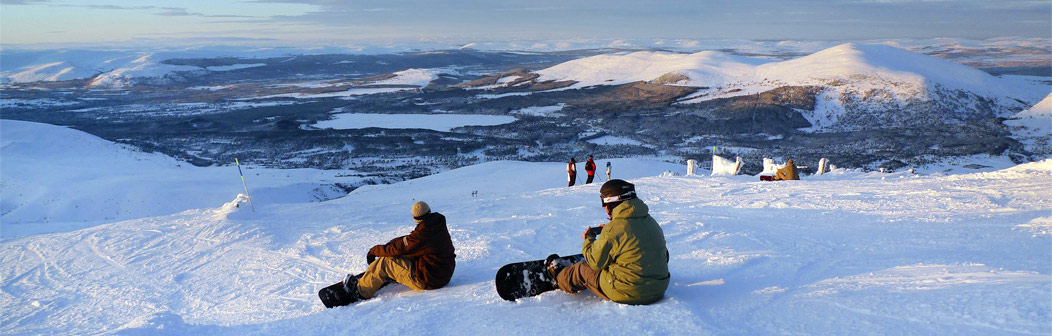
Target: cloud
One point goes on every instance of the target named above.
(22, 2)
(174, 12)
(168, 11)
(488, 20)
(112, 7)
(165, 11)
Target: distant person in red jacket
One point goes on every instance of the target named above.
(571, 171)
(589, 167)
(424, 259)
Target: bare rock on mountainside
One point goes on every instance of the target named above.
(492, 80)
(671, 78)
(633, 95)
(516, 80)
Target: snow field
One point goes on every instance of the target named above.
(54, 179)
(438, 122)
(846, 252)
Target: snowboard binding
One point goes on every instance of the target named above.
(553, 265)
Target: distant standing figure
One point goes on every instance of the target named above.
(608, 170)
(571, 171)
(589, 167)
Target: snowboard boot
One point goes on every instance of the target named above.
(350, 285)
(553, 265)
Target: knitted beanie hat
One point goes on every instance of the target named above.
(420, 209)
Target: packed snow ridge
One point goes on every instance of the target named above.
(844, 252)
(52, 178)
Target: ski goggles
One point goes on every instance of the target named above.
(617, 198)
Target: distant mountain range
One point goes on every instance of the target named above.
(858, 85)
(890, 105)
(115, 66)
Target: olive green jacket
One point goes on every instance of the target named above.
(631, 255)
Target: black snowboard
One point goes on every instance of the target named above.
(526, 279)
(336, 295)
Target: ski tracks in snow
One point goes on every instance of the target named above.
(872, 253)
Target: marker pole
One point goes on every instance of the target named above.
(244, 185)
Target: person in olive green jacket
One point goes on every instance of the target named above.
(625, 260)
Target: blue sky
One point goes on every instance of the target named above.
(299, 22)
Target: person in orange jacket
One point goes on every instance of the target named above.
(589, 167)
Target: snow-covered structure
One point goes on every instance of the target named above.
(770, 168)
(821, 167)
(692, 167)
(725, 167)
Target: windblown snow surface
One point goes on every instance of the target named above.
(846, 252)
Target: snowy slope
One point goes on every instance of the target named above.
(55, 177)
(706, 68)
(891, 64)
(414, 77)
(1038, 117)
(145, 66)
(1033, 126)
(845, 253)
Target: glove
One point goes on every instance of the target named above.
(369, 258)
(591, 232)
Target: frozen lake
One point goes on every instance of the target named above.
(438, 122)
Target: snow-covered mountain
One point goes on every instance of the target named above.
(845, 252)
(859, 83)
(28, 63)
(115, 68)
(1034, 126)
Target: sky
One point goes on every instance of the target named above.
(307, 22)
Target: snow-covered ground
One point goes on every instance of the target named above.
(541, 111)
(845, 252)
(54, 178)
(347, 94)
(614, 140)
(438, 122)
